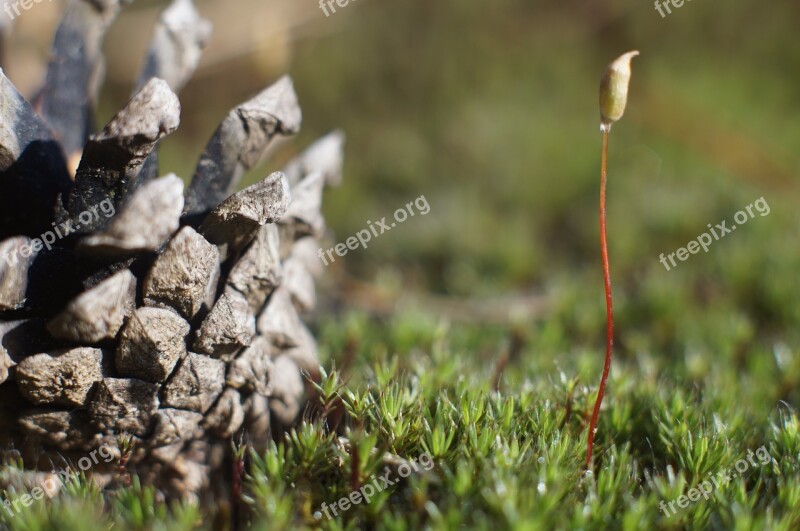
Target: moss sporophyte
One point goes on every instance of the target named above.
(613, 98)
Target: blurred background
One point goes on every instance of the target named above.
(489, 110)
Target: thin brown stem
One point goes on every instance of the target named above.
(609, 308)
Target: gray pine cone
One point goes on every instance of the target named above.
(137, 312)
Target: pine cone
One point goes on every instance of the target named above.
(130, 311)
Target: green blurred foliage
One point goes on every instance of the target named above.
(491, 112)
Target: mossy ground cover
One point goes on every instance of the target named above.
(508, 439)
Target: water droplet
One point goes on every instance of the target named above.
(501, 489)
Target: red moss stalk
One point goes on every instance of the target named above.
(613, 99)
(609, 306)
